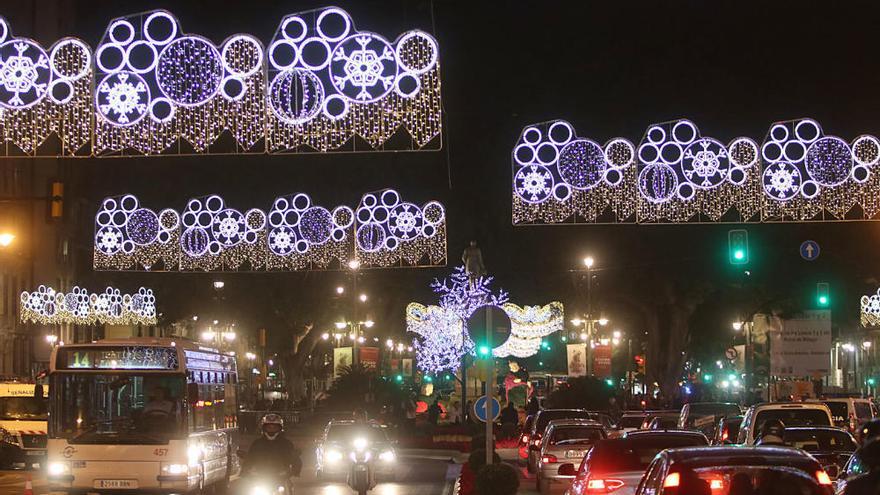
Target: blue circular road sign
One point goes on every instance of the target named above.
(480, 409)
(809, 250)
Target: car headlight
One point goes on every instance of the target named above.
(333, 456)
(58, 468)
(387, 456)
(260, 490)
(175, 469)
(360, 443)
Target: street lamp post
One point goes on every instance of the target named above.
(588, 262)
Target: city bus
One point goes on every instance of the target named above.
(23, 416)
(141, 414)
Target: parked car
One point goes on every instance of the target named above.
(331, 452)
(832, 447)
(704, 416)
(617, 465)
(850, 412)
(542, 419)
(790, 413)
(734, 470)
(565, 441)
(727, 430)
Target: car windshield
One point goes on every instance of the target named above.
(546, 416)
(119, 408)
(568, 435)
(820, 440)
(839, 411)
(793, 417)
(24, 408)
(635, 453)
(739, 480)
(631, 421)
(347, 433)
(665, 422)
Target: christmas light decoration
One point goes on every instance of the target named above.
(390, 231)
(44, 93)
(45, 306)
(870, 314)
(442, 339)
(676, 175)
(295, 234)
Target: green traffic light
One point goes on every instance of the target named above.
(731, 377)
(448, 377)
(871, 382)
(739, 254)
(429, 379)
(823, 300)
(484, 350)
(564, 338)
(707, 378)
(609, 382)
(399, 378)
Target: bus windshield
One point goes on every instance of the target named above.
(23, 408)
(126, 408)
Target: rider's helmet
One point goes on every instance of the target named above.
(869, 429)
(271, 425)
(773, 427)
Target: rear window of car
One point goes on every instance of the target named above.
(546, 416)
(839, 411)
(820, 440)
(863, 411)
(566, 435)
(631, 421)
(793, 417)
(713, 409)
(724, 480)
(635, 453)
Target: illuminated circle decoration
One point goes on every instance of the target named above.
(110, 58)
(407, 85)
(61, 91)
(534, 183)
(161, 110)
(705, 163)
(46, 306)
(293, 28)
(370, 237)
(296, 95)
(228, 227)
(658, 183)
(71, 59)
(189, 71)
(363, 67)
(194, 241)
(781, 181)
(405, 221)
(307, 52)
(866, 150)
(283, 54)
(316, 225)
(122, 98)
(421, 42)
(743, 153)
(142, 227)
(325, 18)
(153, 33)
(582, 164)
(242, 55)
(134, 57)
(25, 74)
(829, 161)
(233, 88)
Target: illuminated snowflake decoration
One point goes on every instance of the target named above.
(364, 67)
(302, 233)
(122, 98)
(109, 240)
(782, 181)
(534, 183)
(46, 306)
(870, 310)
(228, 227)
(705, 163)
(24, 75)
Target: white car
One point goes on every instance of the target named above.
(850, 412)
(790, 413)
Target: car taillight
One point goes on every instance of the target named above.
(525, 439)
(716, 484)
(536, 442)
(725, 435)
(672, 480)
(603, 485)
(823, 478)
(548, 458)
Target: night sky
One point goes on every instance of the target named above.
(609, 68)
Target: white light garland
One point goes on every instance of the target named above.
(295, 234)
(45, 306)
(870, 314)
(676, 175)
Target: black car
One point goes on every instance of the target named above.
(832, 447)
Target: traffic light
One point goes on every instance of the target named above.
(707, 378)
(823, 295)
(738, 246)
(609, 382)
(640, 364)
(429, 379)
(483, 350)
(399, 378)
(872, 381)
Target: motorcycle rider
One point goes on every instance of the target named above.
(772, 433)
(272, 452)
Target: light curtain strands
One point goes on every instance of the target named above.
(870, 313)
(294, 234)
(45, 93)
(676, 175)
(442, 340)
(150, 88)
(46, 306)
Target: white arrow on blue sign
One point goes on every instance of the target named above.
(480, 409)
(809, 250)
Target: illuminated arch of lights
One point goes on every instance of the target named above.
(870, 313)
(293, 234)
(676, 175)
(441, 328)
(46, 306)
(151, 88)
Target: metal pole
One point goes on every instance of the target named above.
(355, 326)
(629, 369)
(490, 389)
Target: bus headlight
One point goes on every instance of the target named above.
(387, 456)
(193, 455)
(175, 469)
(333, 456)
(260, 490)
(58, 469)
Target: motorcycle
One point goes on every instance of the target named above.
(361, 477)
(268, 483)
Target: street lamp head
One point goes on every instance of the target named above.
(584, 336)
(195, 318)
(208, 335)
(354, 264)
(363, 297)
(369, 323)
(219, 284)
(325, 336)
(617, 334)
(51, 339)
(229, 336)
(577, 321)
(867, 344)
(588, 262)
(389, 343)
(361, 339)
(603, 321)
(340, 290)
(6, 239)
(341, 324)
(250, 355)
(848, 347)
(737, 325)
(216, 322)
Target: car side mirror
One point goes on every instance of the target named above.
(567, 470)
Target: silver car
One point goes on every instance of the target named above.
(565, 441)
(333, 449)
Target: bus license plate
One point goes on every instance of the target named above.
(116, 484)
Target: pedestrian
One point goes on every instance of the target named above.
(453, 412)
(466, 414)
(434, 412)
(614, 409)
(509, 421)
(533, 407)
